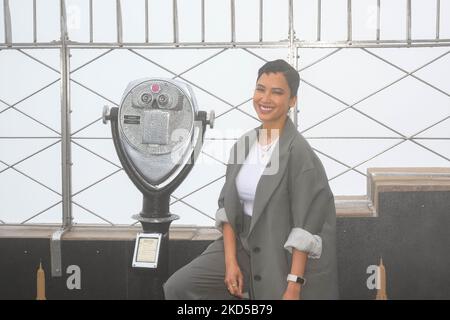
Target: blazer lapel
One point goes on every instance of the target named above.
(232, 203)
(270, 180)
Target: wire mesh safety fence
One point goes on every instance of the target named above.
(60, 65)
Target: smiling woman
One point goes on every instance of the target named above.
(279, 226)
(274, 95)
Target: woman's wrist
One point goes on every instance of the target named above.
(230, 262)
(293, 286)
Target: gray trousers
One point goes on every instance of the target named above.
(203, 278)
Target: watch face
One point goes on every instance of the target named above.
(294, 278)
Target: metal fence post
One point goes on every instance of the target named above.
(66, 149)
(66, 157)
(292, 58)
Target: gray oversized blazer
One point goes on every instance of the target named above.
(296, 197)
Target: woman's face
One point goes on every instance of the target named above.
(272, 98)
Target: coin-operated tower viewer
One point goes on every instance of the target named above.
(158, 133)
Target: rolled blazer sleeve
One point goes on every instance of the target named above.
(310, 198)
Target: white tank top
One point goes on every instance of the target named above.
(250, 173)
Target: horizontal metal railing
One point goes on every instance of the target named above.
(408, 41)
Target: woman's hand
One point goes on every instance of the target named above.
(292, 291)
(234, 279)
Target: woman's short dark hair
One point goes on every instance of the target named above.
(291, 75)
